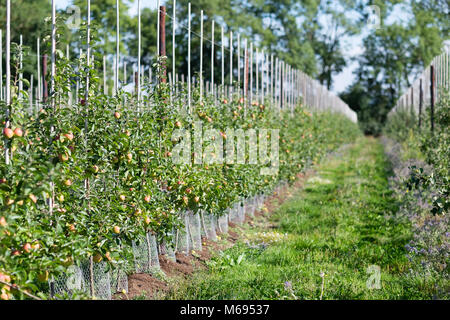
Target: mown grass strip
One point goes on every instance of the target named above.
(338, 228)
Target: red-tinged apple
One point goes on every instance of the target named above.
(185, 200)
(18, 132)
(117, 115)
(68, 182)
(27, 247)
(178, 124)
(197, 199)
(147, 199)
(122, 197)
(3, 222)
(116, 229)
(8, 133)
(69, 136)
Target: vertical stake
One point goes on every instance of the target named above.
(231, 65)
(245, 74)
(116, 66)
(139, 55)
(174, 22)
(432, 84)
(420, 102)
(223, 64)
(1, 64)
(162, 40)
(189, 57)
(212, 57)
(201, 56)
(44, 73)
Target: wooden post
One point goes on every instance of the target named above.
(420, 102)
(136, 83)
(44, 73)
(162, 40)
(281, 86)
(432, 84)
(1, 64)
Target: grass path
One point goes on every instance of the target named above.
(336, 227)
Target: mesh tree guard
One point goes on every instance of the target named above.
(153, 251)
(209, 224)
(119, 281)
(141, 255)
(167, 250)
(195, 230)
(240, 212)
(102, 281)
(68, 283)
(222, 223)
(183, 242)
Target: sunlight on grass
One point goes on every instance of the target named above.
(333, 229)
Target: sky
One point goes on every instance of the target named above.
(353, 46)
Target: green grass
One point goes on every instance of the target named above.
(339, 227)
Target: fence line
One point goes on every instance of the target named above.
(427, 89)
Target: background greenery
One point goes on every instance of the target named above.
(307, 34)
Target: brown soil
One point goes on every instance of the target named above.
(142, 284)
(185, 265)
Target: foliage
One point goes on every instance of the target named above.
(87, 179)
(434, 148)
(421, 183)
(393, 55)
